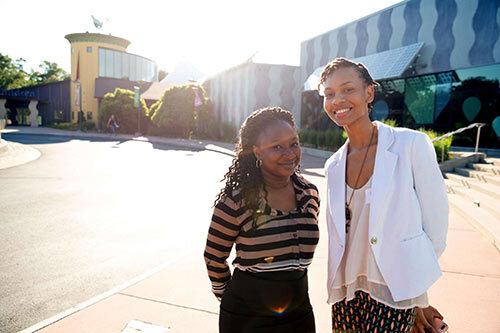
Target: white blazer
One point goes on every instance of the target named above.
(408, 218)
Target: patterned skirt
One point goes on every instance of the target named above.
(364, 314)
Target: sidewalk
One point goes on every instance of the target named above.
(177, 296)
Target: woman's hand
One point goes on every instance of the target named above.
(425, 318)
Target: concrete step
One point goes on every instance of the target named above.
(493, 160)
(472, 173)
(495, 180)
(487, 224)
(489, 189)
(489, 168)
(480, 200)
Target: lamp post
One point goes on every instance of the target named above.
(80, 102)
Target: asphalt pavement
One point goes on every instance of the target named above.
(176, 296)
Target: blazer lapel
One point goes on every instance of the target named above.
(336, 191)
(385, 163)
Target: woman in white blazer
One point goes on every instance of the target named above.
(387, 211)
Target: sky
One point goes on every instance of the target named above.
(212, 35)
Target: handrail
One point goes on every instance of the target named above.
(460, 130)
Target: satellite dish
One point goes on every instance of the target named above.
(98, 24)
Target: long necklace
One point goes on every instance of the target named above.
(348, 213)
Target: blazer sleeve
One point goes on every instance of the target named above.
(431, 191)
(224, 228)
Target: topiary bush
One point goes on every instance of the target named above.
(121, 104)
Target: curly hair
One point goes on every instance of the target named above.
(243, 174)
(337, 63)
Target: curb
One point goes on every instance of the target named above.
(3, 145)
(185, 143)
(98, 298)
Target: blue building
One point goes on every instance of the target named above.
(437, 62)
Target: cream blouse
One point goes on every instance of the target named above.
(358, 269)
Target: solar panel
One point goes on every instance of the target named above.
(390, 63)
(383, 65)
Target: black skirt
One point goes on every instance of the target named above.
(266, 302)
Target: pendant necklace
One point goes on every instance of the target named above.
(348, 213)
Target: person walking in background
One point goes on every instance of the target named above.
(271, 213)
(112, 124)
(387, 211)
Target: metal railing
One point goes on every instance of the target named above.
(460, 130)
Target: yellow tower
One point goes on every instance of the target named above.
(85, 69)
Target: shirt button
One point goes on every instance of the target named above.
(373, 240)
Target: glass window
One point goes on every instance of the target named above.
(125, 66)
(89, 115)
(109, 63)
(420, 94)
(132, 76)
(139, 69)
(117, 70)
(89, 49)
(102, 62)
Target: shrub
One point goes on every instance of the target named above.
(206, 126)
(175, 112)
(303, 136)
(313, 138)
(64, 126)
(228, 132)
(390, 122)
(438, 144)
(321, 139)
(89, 126)
(121, 104)
(334, 139)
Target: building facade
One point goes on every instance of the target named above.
(452, 81)
(240, 90)
(95, 56)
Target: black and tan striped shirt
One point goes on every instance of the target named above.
(275, 241)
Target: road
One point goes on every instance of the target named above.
(89, 215)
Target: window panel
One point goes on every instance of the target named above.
(102, 63)
(125, 66)
(117, 70)
(133, 66)
(109, 64)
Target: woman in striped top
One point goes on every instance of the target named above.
(271, 213)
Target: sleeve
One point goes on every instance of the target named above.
(222, 233)
(431, 191)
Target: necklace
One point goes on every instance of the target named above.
(348, 213)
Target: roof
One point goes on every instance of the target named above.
(184, 72)
(99, 38)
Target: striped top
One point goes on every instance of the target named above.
(275, 241)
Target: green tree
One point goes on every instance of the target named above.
(121, 104)
(12, 73)
(50, 72)
(175, 114)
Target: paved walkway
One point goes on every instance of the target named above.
(176, 296)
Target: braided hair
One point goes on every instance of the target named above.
(243, 173)
(337, 63)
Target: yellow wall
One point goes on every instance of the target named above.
(89, 70)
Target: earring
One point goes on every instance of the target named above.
(258, 163)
